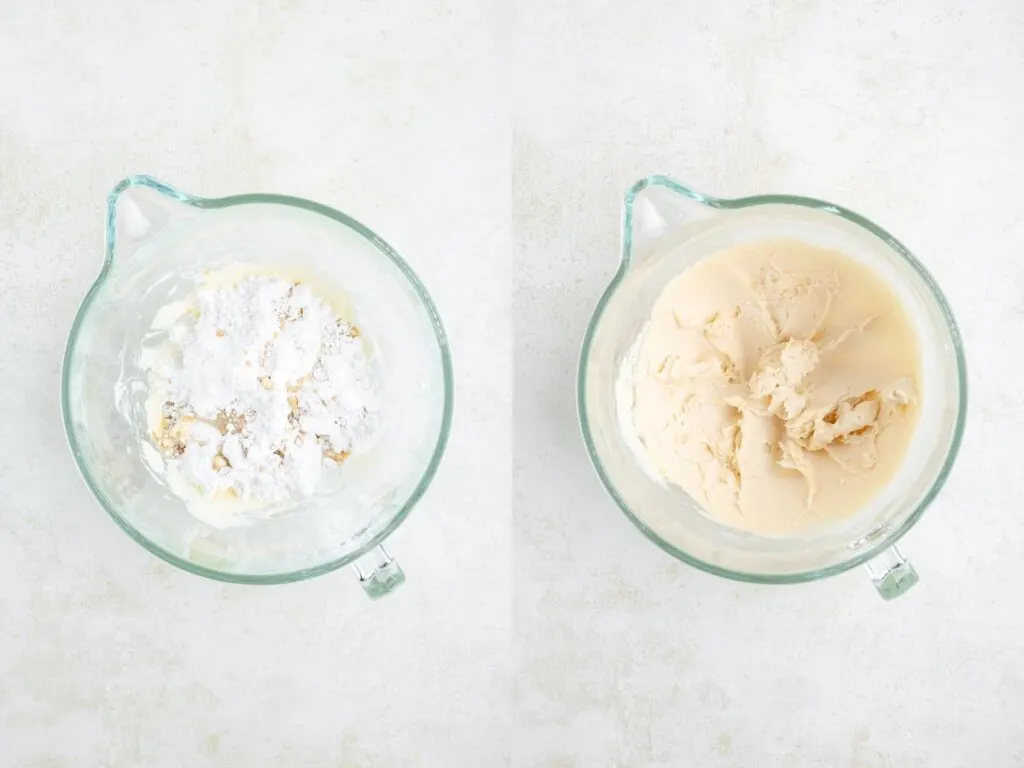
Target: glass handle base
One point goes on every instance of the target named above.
(891, 573)
(379, 573)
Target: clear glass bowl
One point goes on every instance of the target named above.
(157, 239)
(668, 227)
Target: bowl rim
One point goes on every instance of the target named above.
(725, 204)
(204, 203)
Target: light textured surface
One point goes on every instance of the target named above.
(908, 112)
(398, 113)
(108, 657)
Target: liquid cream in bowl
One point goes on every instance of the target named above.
(777, 383)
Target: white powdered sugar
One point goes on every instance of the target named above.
(260, 388)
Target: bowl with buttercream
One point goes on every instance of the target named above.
(772, 388)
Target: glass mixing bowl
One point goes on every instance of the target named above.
(158, 240)
(668, 227)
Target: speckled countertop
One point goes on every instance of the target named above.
(904, 113)
(108, 657)
(538, 627)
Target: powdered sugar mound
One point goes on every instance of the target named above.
(261, 386)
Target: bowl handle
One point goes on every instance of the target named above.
(379, 573)
(891, 573)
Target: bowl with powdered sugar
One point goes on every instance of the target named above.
(257, 388)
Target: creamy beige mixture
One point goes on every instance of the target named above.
(777, 384)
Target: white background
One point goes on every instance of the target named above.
(108, 657)
(538, 627)
(911, 113)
